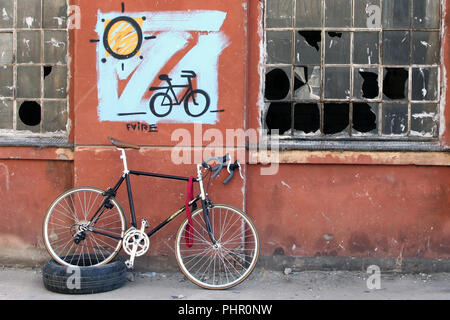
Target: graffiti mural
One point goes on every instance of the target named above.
(155, 66)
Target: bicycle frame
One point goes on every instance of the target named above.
(111, 192)
(171, 87)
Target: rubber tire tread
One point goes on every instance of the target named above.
(93, 279)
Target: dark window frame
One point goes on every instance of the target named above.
(351, 141)
(50, 23)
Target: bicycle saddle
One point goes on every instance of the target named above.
(164, 77)
(123, 145)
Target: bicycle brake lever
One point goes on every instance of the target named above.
(231, 168)
(240, 169)
(229, 163)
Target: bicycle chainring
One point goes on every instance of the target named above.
(137, 240)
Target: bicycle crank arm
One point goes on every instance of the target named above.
(134, 238)
(130, 262)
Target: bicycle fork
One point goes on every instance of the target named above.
(205, 204)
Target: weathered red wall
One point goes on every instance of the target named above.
(329, 205)
(27, 188)
(352, 210)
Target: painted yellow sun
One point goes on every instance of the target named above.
(123, 37)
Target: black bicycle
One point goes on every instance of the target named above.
(196, 101)
(216, 246)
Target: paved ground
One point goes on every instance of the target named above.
(26, 284)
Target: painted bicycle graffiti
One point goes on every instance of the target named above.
(196, 101)
(133, 49)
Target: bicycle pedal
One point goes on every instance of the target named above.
(128, 264)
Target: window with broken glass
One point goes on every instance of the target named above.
(352, 69)
(34, 71)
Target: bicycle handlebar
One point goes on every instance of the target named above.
(224, 161)
(220, 160)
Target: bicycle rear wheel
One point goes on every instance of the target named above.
(69, 232)
(228, 262)
(196, 103)
(161, 104)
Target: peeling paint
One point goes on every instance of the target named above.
(286, 185)
(353, 157)
(262, 57)
(29, 22)
(5, 15)
(325, 216)
(60, 20)
(56, 43)
(442, 124)
(5, 174)
(64, 154)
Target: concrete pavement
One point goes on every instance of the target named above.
(26, 284)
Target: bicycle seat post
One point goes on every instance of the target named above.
(124, 160)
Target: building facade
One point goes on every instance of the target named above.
(338, 110)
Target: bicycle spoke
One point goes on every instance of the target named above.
(228, 261)
(230, 254)
(207, 250)
(71, 240)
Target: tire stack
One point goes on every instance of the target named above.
(85, 278)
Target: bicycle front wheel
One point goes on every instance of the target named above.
(228, 262)
(73, 238)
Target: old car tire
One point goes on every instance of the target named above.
(85, 279)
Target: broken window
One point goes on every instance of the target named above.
(278, 117)
(33, 68)
(308, 46)
(307, 118)
(353, 68)
(335, 118)
(365, 119)
(366, 83)
(278, 83)
(307, 82)
(395, 83)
